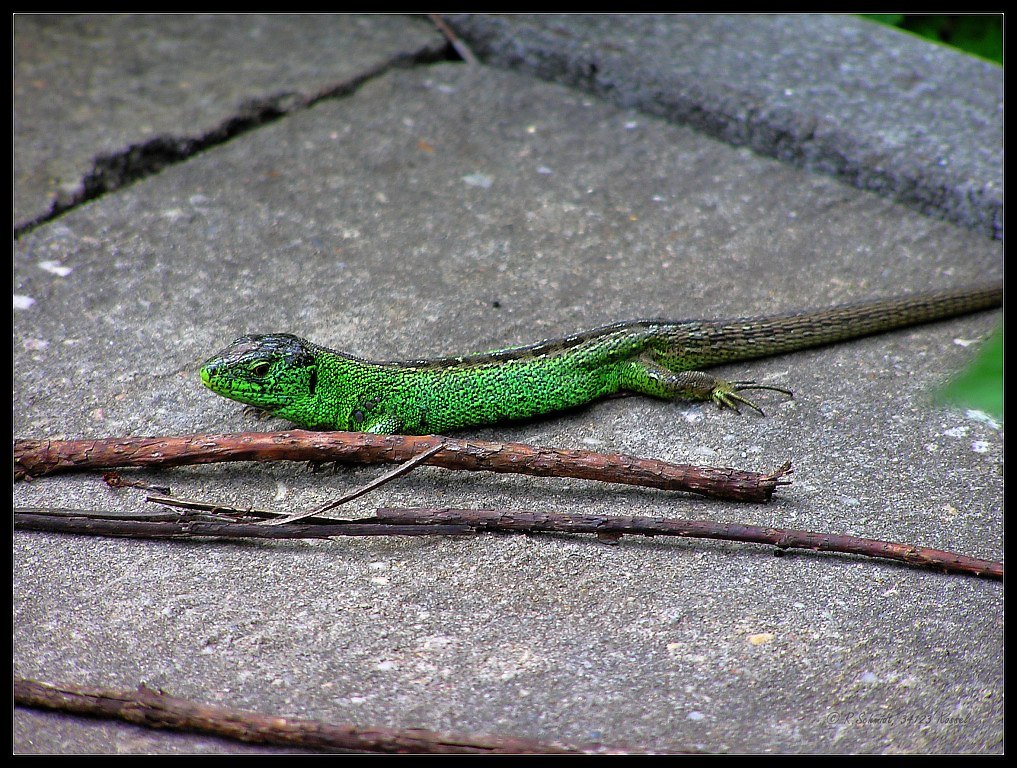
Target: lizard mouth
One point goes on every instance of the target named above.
(223, 385)
(211, 378)
(217, 377)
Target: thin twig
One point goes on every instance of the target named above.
(356, 493)
(36, 458)
(614, 526)
(192, 505)
(460, 47)
(90, 523)
(446, 521)
(157, 709)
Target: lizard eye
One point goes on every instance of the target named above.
(260, 369)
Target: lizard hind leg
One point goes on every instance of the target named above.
(646, 377)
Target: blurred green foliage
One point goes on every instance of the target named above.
(980, 385)
(978, 34)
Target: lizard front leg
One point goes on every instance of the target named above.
(387, 425)
(371, 415)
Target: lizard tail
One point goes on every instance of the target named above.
(713, 343)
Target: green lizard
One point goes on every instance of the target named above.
(319, 388)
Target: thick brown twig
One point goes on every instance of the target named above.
(157, 709)
(422, 522)
(36, 458)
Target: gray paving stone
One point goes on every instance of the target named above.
(444, 209)
(101, 97)
(877, 108)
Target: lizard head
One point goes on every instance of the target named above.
(276, 372)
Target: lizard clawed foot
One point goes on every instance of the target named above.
(259, 413)
(726, 395)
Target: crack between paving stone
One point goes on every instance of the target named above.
(114, 171)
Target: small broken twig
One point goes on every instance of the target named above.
(115, 480)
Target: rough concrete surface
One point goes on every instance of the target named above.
(877, 108)
(97, 96)
(440, 208)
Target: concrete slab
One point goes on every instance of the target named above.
(100, 99)
(443, 209)
(877, 108)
